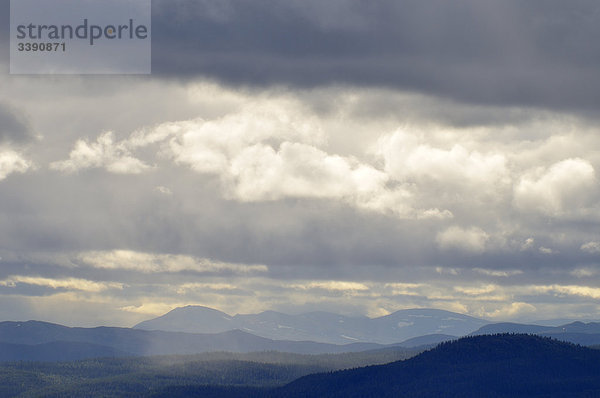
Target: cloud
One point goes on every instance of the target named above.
(476, 291)
(435, 214)
(497, 273)
(570, 290)
(564, 187)
(546, 250)
(153, 309)
(347, 184)
(12, 162)
(584, 272)
(331, 286)
(208, 146)
(271, 146)
(477, 51)
(447, 271)
(591, 247)
(65, 283)
(471, 239)
(14, 128)
(268, 150)
(406, 289)
(409, 157)
(482, 52)
(217, 287)
(164, 190)
(155, 263)
(104, 153)
(297, 170)
(271, 153)
(528, 244)
(513, 310)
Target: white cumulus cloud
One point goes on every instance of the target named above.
(410, 157)
(104, 153)
(12, 162)
(564, 187)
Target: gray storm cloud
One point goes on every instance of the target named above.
(496, 52)
(536, 53)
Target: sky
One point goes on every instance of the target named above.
(359, 157)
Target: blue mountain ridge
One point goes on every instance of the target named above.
(23, 339)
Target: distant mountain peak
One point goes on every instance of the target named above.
(197, 308)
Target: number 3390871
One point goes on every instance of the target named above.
(49, 47)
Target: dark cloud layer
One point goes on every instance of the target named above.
(538, 53)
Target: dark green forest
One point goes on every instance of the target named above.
(505, 365)
(143, 376)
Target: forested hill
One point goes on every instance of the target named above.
(481, 366)
(491, 366)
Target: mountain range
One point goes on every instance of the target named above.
(320, 327)
(407, 328)
(33, 340)
(191, 330)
